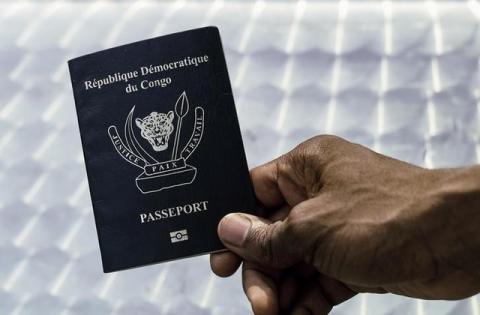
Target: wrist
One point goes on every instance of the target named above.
(451, 220)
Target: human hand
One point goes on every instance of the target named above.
(340, 219)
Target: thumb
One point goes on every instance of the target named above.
(258, 240)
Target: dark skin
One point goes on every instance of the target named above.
(338, 219)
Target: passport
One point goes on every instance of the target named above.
(162, 147)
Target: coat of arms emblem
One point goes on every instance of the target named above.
(157, 129)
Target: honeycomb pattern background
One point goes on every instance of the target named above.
(399, 77)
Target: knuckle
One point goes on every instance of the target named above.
(284, 164)
(256, 172)
(300, 223)
(321, 145)
(326, 141)
(268, 243)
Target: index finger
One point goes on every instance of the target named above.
(277, 183)
(265, 184)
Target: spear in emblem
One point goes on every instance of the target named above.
(181, 109)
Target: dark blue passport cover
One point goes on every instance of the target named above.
(162, 146)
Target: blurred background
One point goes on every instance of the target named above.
(398, 76)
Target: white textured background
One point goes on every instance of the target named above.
(400, 77)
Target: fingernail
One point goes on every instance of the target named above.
(301, 311)
(234, 229)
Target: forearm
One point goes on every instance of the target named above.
(452, 225)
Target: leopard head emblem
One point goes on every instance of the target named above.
(156, 128)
